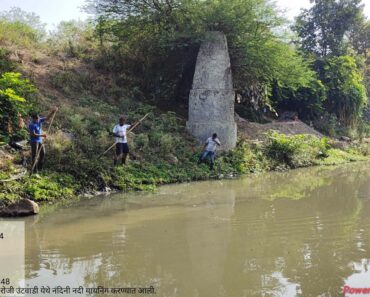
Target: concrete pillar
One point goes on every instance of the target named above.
(211, 100)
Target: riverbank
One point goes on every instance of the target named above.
(68, 178)
(91, 97)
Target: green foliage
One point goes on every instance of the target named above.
(360, 36)
(141, 141)
(163, 38)
(308, 101)
(49, 188)
(243, 159)
(6, 65)
(73, 165)
(17, 15)
(74, 38)
(149, 50)
(17, 33)
(346, 93)
(336, 157)
(322, 28)
(70, 81)
(296, 151)
(13, 103)
(257, 53)
(328, 124)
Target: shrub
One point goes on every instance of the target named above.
(346, 92)
(6, 65)
(295, 151)
(49, 188)
(59, 145)
(13, 104)
(141, 141)
(18, 33)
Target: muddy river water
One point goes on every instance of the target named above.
(299, 233)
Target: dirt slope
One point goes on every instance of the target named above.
(256, 131)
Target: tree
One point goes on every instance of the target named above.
(360, 37)
(307, 101)
(322, 28)
(156, 42)
(17, 15)
(75, 38)
(346, 92)
(20, 28)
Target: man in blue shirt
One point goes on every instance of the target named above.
(36, 136)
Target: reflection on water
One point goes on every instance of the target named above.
(301, 233)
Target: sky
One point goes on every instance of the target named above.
(52, 12)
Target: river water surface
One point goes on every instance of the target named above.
(301, 233)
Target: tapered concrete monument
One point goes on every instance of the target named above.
(211, 100)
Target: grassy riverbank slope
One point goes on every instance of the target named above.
(69, 74)
(163, 153)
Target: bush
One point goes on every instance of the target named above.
(307, 101)
(295, 151)
(50, 188)
(71, 81)
(346, 92)
(75, 39)
(141, 141)
(13, 104)
(59, 145)
(6, 65)
(18, 33)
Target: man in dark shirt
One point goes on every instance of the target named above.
(36, 136)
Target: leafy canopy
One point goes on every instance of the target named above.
(13, 103)
(156, 41)
(346, 92)
(322, 28)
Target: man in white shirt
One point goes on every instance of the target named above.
(209, 149)
(120, 133)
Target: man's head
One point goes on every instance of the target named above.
(35, 117)
(122, 120)
(214, 135)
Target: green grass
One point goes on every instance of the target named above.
(279, 152)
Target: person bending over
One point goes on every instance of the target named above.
(209, 150)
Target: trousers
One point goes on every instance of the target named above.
(35, 146)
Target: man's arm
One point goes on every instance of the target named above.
(115, 134)
(33, 134)
(53, 111)
(218, 142)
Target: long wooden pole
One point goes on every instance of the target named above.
(129, 130)
(39, 149)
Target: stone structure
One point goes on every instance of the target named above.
(211, 101)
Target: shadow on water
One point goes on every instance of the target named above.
(299, 233)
